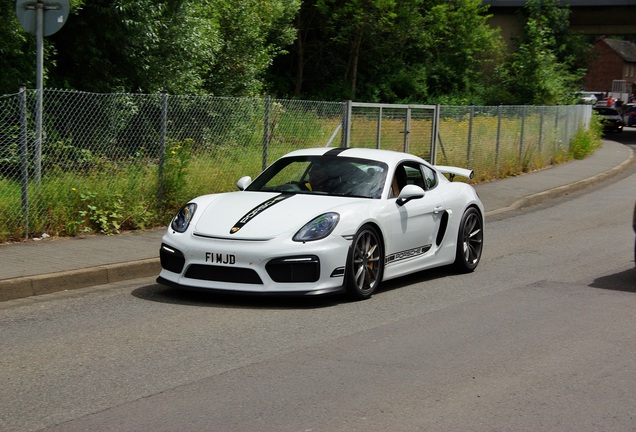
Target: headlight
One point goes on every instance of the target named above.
(184, 216)
(318, 228)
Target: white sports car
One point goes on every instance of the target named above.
(326, 220)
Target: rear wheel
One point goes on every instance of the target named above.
(365, 264)
(470, 240)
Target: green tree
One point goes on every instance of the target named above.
(18, 50)
(460, 48)
(356, 25)
(135, 46)
(182, 46)
(14, 50)
(253, 33)
(389, 50)
(543, 70)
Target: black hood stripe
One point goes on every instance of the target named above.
(258, 210)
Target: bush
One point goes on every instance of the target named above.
(585, 142)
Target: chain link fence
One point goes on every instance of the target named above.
(112, 162)
(408, 128)
(500, 141)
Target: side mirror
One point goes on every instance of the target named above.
(243, 182)
(408, 193)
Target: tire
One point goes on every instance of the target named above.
(365, 264)
(470, 241)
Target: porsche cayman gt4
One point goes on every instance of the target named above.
(326, 220)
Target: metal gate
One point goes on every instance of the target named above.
(409, 128)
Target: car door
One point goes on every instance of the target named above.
(414, 225)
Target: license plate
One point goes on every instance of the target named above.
(220, 258)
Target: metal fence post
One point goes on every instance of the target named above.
(577, 117)
(407, 129)
(24, 169)
(556, 129)
(434, 135)
(162, 146)
(498, 139)
(268, 101)
(378, 133)
(567, 134)
(346, 132)
(541, 129)
(523, 124)
(38, 137)
(470, 133)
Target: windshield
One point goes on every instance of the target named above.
(323, 175)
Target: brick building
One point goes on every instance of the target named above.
(611, 59)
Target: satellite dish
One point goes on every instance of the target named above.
(54, 15)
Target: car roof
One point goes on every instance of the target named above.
(388, 156)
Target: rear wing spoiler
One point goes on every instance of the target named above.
(453, 171)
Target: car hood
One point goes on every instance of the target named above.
(261, 215)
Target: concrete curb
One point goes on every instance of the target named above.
(11, 289)
(538, 198)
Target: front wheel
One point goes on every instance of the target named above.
(470, 241)
(365, 264)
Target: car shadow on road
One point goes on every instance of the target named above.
(622, 281)
(163, 294)
(416, 278)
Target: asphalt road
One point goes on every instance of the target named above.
(540, 338)
(627, 137)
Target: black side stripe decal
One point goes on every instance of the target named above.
(399, 256)
(258, 210)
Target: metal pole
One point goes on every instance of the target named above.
(333, 135)
(266, 132)
(470, 134)
(346, 136)
(162, 147)
(566, 134)
(541, 129)
(407, 130)
(556, 131)
(498, 139)
(434, 135)
(378, 133)
(523, 123)
(39, 35)
(24, 169)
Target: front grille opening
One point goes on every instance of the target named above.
(223, 274)
(171, 259)
(294, 269)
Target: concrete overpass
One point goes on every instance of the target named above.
(590, 17)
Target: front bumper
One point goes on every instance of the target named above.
(326, 291)
(257, 267)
